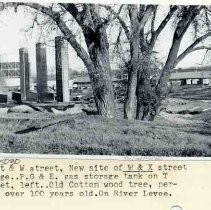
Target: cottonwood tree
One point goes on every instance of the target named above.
(150, 93)
(141, 41)
(137, 20)
(95, 55)
(187, 16)
(147, 100)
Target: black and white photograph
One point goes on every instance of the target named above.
(103, 79)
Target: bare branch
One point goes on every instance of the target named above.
(125, 27)
(141, 11)
(68, 35)
(163, 24)
(153, 20)
(145, 17)
(121, 21)
(112, 17)
(35, 22)
(192, 47)
(205, 54)
(72, 9)
(201, 48)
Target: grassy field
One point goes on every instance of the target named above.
(195, 92)
(169, 135)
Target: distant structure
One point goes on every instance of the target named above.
(10, 74)
(192, 75)
(84, 82)
(81, 82)
(41, 92)
(10, 69)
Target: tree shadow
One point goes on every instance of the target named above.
(34, 128)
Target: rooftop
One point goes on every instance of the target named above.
(192, 69)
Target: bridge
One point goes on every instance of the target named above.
(192, 75)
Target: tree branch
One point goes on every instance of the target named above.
(68, 35)
(187, 16)
(112, 17)
(153, 20)
(125, 27)
(121, 21)
(145, 17)
(163, 24)
(201, 48)
(141, 11)
(72, 9)
(192, 47)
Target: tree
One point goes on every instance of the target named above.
(138, 17)
(144, 92)
(96, 54)
(150, 91)
(146, 97)
(187, 16)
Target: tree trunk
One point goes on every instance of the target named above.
(100, 75)
(103, 92)
(150, 98)
(162, 87)
(147, 101)
(147, 111)
(130, 104)
(97, 58)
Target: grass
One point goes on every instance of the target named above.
(90, 135)
(196, 92)
(168, 135)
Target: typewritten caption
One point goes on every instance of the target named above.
(77, 179)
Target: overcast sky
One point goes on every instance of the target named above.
(13, 37)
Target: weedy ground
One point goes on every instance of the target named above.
(168, 135)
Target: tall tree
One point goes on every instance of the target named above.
(96, 56)
(138, 20)
(138, 17)
(146, 96)
(151, 92)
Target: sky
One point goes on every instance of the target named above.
(13, 37)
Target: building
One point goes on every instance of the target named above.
(84, 82)
(81, 83)
(82, 87)
(10, 69)
(192, 75)
(10, 74)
